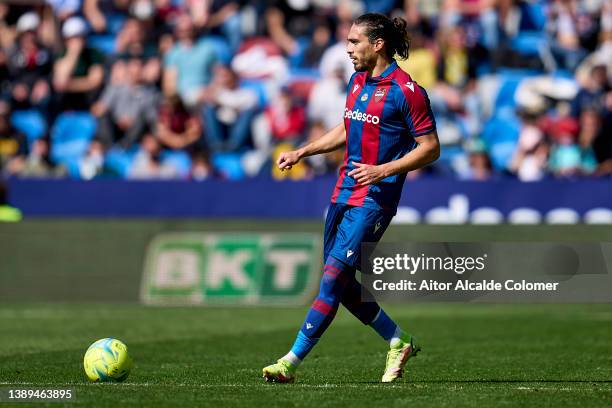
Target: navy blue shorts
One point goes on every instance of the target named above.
(346, 227)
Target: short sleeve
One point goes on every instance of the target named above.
(416, 109)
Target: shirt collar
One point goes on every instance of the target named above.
(385, 73)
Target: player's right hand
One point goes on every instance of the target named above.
(286, 160)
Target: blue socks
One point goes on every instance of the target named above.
(385, 327)
(338, 284)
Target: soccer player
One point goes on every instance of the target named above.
(388, 130)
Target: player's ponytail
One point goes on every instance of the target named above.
(402, 39)
(393, 32)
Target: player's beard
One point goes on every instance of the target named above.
(358, 66)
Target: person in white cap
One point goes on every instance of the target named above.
(78, 74)
(29, 64)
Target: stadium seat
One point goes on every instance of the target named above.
(119, 161)
(259, 87)
(229, 165)
(297, 58)
(529, 42)
(180, 160)
(221, 47)
(501, 137)
(533, 16)
(104, 43)
(70, 138)
(31, 123)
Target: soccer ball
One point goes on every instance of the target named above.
(107, 360)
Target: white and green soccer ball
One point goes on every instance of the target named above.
(107, 360)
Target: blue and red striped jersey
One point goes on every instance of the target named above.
(382, 117)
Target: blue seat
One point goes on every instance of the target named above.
(221, 47)
(228, 164)
(74, 125)
(31, 123)
(179, 160)
(533, 16)
(529, 42)
(71, 136)
(500, 135)
(259, 87)
(105, 43)
(119, 161)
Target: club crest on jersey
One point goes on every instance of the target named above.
(378, 95)
(364, 97)
(355, 88)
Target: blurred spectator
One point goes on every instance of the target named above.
(530, 158)
(132, 41)
(172, 46)
(92, 164)
(167, 11)
(327, 99)
(287, 22)
(13, 144)
(188, 64)
(335, 56)
(29, 65)
(602, 142)
(201, 169)
(64, 9)
(479, 164)
(228, 112)
(421, 64)
(223, 17)
(97, 12)
(127, 108)
(78, 73)
(568, 22)
(592, 94)
(285, 119)
(38, 163)
(261, 59)
(177, 128)
(148, 164)
(321, 37)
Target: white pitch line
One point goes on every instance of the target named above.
(57, 385)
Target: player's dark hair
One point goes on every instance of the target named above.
(393, 32)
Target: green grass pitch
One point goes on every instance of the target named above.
(473, 356)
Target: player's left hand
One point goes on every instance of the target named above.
(366, 174)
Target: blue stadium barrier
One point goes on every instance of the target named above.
(264, 198)
(31, 123)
